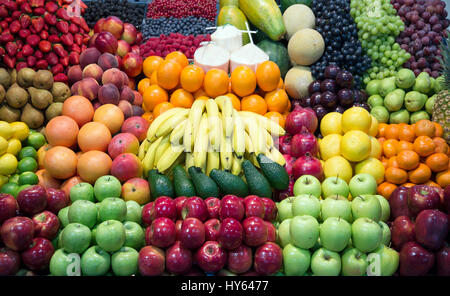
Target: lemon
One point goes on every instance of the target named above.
(373, 131)
(6, 130)
(8, 164)
(356, 118)
(337, 166)
(371, 166)
(331, 124)
(3, 180)
(20, 129)
(14, 146)
(3, 145)
(355, 145)
(330, 146)
(375, 150)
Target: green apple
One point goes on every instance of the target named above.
(63, 216)
(307, 184)
(84, 212)
(107, 186)
(362, 184)
(283, 233)
(366, 206)
(336, 206)
(59, 263)
(134, 235)
(82, 191)
(134, 212)
(110, 235)
(325, 263)
(112, 208)
(389, 260)
(366, 234)
(385, 208)
(95, 261)
(60, 245)
(285, 208)
(306, 204)
(335, 234)
(386, 233)
(296, 261)
(76, 238)
(124, 262)
(318, 245)
(354, 262)
(304, 231)
(334, 186)
(93, 235)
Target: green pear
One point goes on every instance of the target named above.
(405, 78)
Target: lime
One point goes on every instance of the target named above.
(6, 130)
(10, 188)
(36, 140)
(14, 146)
(20, 129)
(3, 145)
(28, 178)
(27, 164)
(14, 178)
(8, 164)
(27, 152)
(22, 187)
(3, 180)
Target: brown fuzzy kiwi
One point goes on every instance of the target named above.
(16, 96)
(43, 79)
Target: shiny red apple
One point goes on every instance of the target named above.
(9, 262)
(240, 259)
(164, 206)
(231, 206)
(151, 261)
(212, 227)
(422, 197)
(211, 257)
(56, 200)
(231, 234)
(17, 233)
(431, 229)
(268, 259)
(162, 233)
(271, 232)
(8, 207)
(402, 231)
(195, 207)
(146, 214)
(213, 207)
(254, 207)
(255, 231)
(46, 225)
(192, 234)
(37, 256)
(443, 261)
(32, 200)
(179, 203)
(398, 202)
(178, 259)
(415, 260)
(270, 209)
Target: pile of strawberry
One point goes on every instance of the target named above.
(40, 34)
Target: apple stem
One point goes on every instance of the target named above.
(337, 176)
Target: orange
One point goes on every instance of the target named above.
(432, 184)
(441, 145)
(62, 131)
(288, 108)
(168, 74)
(243, 81)
(393, 162)
(143, 84)
(281, 84)
(390, 148)
(181, 98)
(385, 189)
(154, 78)
(205, 98)
(94, 136)
(396, 175)
(200, 93)
(161, 108)
(381, 140)
(254, 103)
(268, 76)
(391, 131)
(47, 181)
(79, 109)
(420, 175)
(215, 83)
(235, 101)
(424, 145)
(191, 78)
(277, 117)
(111, 116)
(41, 154)
(425, 127)
(150, 64)
(437, 162)
(68, 184)
(439, 129)
(277, 100)
(153, 96)
(60, 162)
(385, 161)
(443, 178)
(381, 129)
(408, 185)
(406, 133)
(179, 57)
(93, 164)
(408, 160)
(148, 116)
(403, 145)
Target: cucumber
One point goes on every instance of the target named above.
(160, 185)
(274, 172)
(234, 16)
(182, 184)
(204, 185)
(229, 183)
(257, 183)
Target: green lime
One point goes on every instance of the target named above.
(28, 178)
(14, 178)
(27, 152)
(10, 188)
(22, 187)
(36, 140)
(28, 164)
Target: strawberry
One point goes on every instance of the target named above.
(78, 39)
(59, 50)
(25, 21)
(19, 55)
(51, 7)
(50, 19)
(2, 51)
(67, 39)
(19, 44)
(37, 23)
(39, 11)
(53, 39)
(84, 25)
(11, 5)
(62, 14)
(61, 77)
(44, 34)
(38, 54)
(26, 7)
(76, 48)
(63, 27)
(64, 61)
(33, 40)
(52, 58)
(31, 61)
(42, 64)
(3, 11)
(9, 61)
(4, 24)
(14, 27)
(74, 58)
(45, 46)
(11, 48)
(6, 37)
(73, 28)
(16, 14)
(37, 3)
(75, 20)
(27, 50)
(24, 33)
(20, 65)
(53, 31)
(58, 68)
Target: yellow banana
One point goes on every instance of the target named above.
(169, 156)
(214, 124)
(226, 153)
(252, 158)
(189, 160)
(256, 134)
(213, 161)
(277, 156)
(236, 168)
(178, 132)
(271, 126)
(239, 141)
(165, 143)
(143, 148)
(149, 159)
(248, 143)
(201, 143)
(195, 115)
(269, 139)
(167, 126)
(188, 137)
(151, 132)
(226, 107)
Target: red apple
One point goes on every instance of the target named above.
(231, 234)
(195, 207)
(446, 199)
(415, 260)
(431, 229)
(195, 271)
(422, 197)
(271, 232)
(164, 206)
(137, 126)
(192, 234)
(17, 233)
(231, 206)
(123, 143)
(402, 231)
(211, 257)
(9, 262)
(32, 200)
(123, 48)
(132, 64)
(178, 259)
(398, 202)
(56, 200)
(268, 259)
(179, 203)
(37, 256)
(46, 225)
(443, 261)
(147, 214)
(270, 209)
(254, 207)
(126, 166)
(98, 27)
(178, 225)
(151, 261)
(161, 233)
(240, 259)
(213, 207)
(136, 189)
(8, 207)
(255, 231)
(212, 227)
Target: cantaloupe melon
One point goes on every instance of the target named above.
(297, 81)
(306, 47)
(297, 17)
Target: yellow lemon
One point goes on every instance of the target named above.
(371, 166)
(8, 164)
(331, 124)
(375, 148)
(14, 146)
(337, 166)
(330, 146)
(20, 129)
(373, 130)
(355, 145)
(6, 130)
(3, 145)
(356, 118)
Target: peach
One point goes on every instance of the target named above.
(108, 94)
(126, 80)
(137, 110)
(138, 99)
(126, 166)
(106, 42)
(132, 63)
(123, 48)
(88, 88)
(94, 71)
(137, 126)
(89, 56)
(107, 61)
(74, 74)
(136, 49)
(98, 27)
(113, 25)
(129, 33)
(126, 108)
(119, 61)
(113, 76)
(123, 143)
(136, 189)
(127, 94)
(91, 42)
(68, 184)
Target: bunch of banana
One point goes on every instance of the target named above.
(210, 135)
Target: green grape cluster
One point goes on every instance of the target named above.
(378, 25)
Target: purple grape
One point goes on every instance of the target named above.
(315, 99)
(339, 109)
(358, 96)
(328, 99)
(331, 71)
(321, 111)
(305, 102)
(345, 97)
(344, 79)
(328, 85)
(314, 87)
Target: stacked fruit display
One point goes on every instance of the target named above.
(165, 44)
(129, 12)
(420, 229)
(348, 232)
(403, 98)
(31, 97)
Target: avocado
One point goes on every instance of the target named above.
(257, 183)
(204, 185)
(274, 172)
(182, 184)
(160, 185)
(229, 183)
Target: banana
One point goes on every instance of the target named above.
(188, 137)
(239, 141)
(271, 126)
(226, 107)
(178, 133)
(236, 168)
(214, 124)
(143, 148)
(169, 156)
(213, 161)
(248, 143)
(149, 159)
(151, 132)
(269, 139)
(167, 126)
(201, 143)
(195, 115)
(189, 160)
(226, 153)
(277, 156)
(256, 134)
(163, 146)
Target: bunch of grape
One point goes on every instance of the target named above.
(378, 26)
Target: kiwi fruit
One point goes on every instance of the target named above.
(16, 96)
(60, 92)
(40, 98)
(13, 75)
(43, 79)
(53, 110)
(9, 114)
(25, 77)
(5, 78)
(2, 93)
(32, 117)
